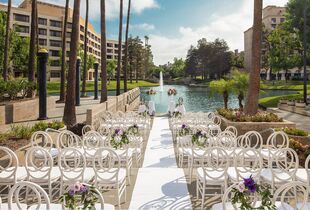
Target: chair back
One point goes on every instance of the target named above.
(278, 140)
(18, 189)
(252, 139)
(42, 139)
(232, 129)
(68, 139)
(9, 169)
(38, 164)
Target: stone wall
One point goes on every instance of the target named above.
(26, 110)
(125, 102)
(294, 109)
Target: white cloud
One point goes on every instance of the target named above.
(143, 26)
(112, 7)
(229, 27)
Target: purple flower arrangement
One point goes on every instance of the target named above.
(79, 197)
(185, 130)
(119, 138)
(247, 189)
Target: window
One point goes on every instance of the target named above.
(109, 57)
(42, 31)
(81, 37)
(282, 20)
(116, 45)
(55, 23)
(68, 34)
(42, 21)
(273, 20)
(55, 63)
(42, 42)
(109, 45)
(54, 53)
(82, 28)
(109, 51)
(55, 74)
(69, 25)
(21, 29)
(273, 26)
(55, 33)
(21, 18)
(55, 43)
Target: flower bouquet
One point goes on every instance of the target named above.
(199, 138)
(185, 130)
(80, 197)
(133, 130)
(246, 189)
(119, 138)
(177, 114)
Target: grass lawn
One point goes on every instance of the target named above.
(273, 101)
(53, 87)
(282, 85)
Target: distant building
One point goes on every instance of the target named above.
(50, 27)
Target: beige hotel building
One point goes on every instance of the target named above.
(50, 27)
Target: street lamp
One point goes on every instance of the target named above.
(305, 52)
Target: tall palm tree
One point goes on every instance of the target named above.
(104, 92)
(251, 106)
(126, 47)
(69, 112)
(7, 42)
(32, 51)
(85, 51)
(64, 56)
(119, 59)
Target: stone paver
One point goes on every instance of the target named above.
(160, 184)
(302, 122)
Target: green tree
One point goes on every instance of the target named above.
(19, 53)
(223, 87)
(240, 84)
(111, 67)
(282, 55)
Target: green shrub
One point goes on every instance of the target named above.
(236, 115)
(42, 126)
(21, 131)
(295, 132)
(14, 88)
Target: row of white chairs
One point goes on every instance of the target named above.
(106, 172)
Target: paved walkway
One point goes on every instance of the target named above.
(302, 122)
(160, 184)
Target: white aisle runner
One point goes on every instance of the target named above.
(160, 184)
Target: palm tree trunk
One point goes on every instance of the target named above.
(104, 91)
(63, 56)
(225, 96)
(32, 51)
(130, 70)
(69, 112)
(240, 99)
(251, 107)
(126, 47)
(85, 51)
(119, 59)
(7, 42)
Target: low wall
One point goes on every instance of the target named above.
(294, 109)
(244, 127)
(125, 102)
(26, 110)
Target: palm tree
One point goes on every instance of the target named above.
(251, 106)
(223, 87)
(119, 59)
(240, 84)
(32, 47)
(64, 56)
(104, 91)
(85, 51)
(126, 47)
(7, 42)
(69, 112)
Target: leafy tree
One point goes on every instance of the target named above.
(223, 87)
(240, 84)
(282, 54)
(111, 67)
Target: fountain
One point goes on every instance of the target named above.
(161, 82)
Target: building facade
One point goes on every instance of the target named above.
(272, 17)
(50, 29)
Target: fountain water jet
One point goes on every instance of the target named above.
(161, 82)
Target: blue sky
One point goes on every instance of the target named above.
(174, 25)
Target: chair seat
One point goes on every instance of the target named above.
(123, 155)
(55, 175)
(5, 206)
(59, 207)
(53, 152)
(88, 175)
(301, 175)
(281, 178)
(5, 176)
(213, 176)
(302, 206)
(106, 177)
(229, 206)
(185, 151)
(268, 153)
(232, 174)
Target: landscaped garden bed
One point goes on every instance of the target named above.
(19, 135)
(299, 135)
(259, 122)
